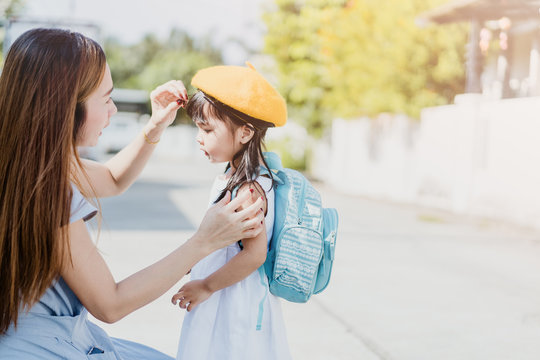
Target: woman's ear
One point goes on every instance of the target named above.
(245, 134)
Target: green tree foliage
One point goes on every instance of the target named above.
(8, 9)
(150, 62)
(294, 41)
(362, 57)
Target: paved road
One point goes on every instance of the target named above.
(408, 284)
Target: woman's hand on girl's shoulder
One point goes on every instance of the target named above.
(229, 221)
(254, 191)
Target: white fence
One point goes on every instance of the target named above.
(476, 157)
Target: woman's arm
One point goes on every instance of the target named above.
(87, 274)
(117, 174)
(238, 268)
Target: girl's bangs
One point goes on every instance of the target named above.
(199, 110)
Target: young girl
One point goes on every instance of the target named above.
(231, 314)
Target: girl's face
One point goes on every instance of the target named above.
(217, 141)
(99, 109)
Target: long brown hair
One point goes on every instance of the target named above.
(48, 75)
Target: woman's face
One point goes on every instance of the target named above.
(99, 109)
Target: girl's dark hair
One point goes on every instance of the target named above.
(246, 161)
(47, 78)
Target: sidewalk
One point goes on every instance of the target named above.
(408, 283)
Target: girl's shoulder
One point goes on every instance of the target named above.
(259, 187)
(265, 182)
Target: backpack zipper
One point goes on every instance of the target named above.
(301, 203)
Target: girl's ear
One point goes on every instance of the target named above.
(245, 134)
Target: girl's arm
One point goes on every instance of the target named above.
(238, 268)
(90, 279)
(117, 174)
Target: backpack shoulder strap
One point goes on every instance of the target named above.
(274, 162)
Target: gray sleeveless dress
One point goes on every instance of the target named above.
(57, 326)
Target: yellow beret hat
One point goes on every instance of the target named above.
(243, 89)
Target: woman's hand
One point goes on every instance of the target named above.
(224, 224)
(192, 294)
(166, 99)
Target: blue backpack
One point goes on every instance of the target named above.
(301, 251)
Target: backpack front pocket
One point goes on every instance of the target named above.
(296, 263)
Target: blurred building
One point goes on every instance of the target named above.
(503, 54)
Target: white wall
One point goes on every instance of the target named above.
(476, 157)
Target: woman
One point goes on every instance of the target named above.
(54, 96)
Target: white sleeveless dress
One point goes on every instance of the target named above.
(242, 321)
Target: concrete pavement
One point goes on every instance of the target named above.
(408, 283)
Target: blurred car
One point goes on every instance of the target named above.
(124, 127)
